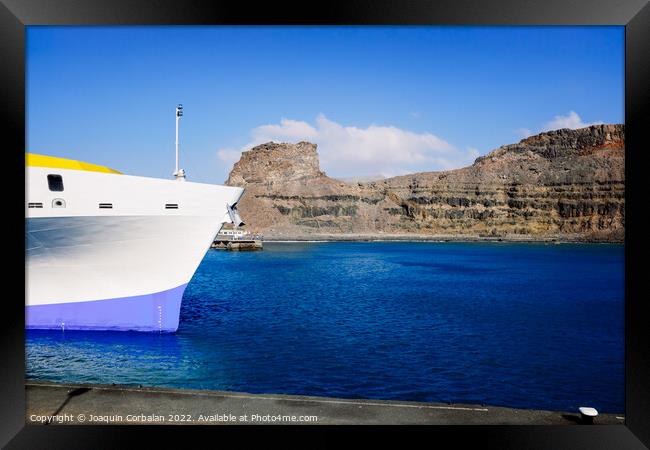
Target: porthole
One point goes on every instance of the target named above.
(58, 203)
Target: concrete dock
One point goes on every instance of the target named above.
(52, 403)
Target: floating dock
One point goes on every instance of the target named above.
(53, 403)
(238, 245)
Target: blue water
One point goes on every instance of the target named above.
(521, 325)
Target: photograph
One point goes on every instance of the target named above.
(280, 224)
(325, 225)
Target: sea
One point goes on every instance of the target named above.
(505, 324)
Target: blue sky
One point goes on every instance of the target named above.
(377, 100)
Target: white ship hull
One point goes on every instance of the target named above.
(119, 268)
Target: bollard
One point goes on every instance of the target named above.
(587, 414)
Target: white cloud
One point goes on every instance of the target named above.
(352, 151)
(571, 120)
(229, 155)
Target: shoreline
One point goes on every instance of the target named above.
(440, 239)
(62, 403)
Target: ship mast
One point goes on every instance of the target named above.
(178, 173)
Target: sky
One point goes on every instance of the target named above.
(377, 100)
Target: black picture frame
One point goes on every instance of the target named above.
(633, 14)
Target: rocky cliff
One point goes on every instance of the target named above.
(564, 184)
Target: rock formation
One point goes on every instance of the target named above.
(564, 184)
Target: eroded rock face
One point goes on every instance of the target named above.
(560, 184)
(276, 163)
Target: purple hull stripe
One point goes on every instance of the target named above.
(151, 312)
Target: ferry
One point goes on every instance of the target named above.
(110, 251)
